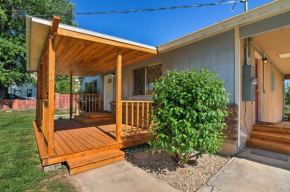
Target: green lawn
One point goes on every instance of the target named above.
(20, 168)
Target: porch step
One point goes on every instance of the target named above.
(269, 145)
(270, 136)
(93, 115)
(272, 129)
(93, 161)
(95, 118)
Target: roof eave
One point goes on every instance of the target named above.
(259, 13)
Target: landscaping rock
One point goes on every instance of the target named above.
(53, 167)
(188, 177)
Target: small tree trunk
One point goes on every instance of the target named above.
(177, 157)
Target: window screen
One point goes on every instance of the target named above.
(153, 73)
(272, 80)
(139, 81)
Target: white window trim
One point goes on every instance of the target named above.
(145, 66)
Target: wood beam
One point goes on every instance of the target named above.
(77, 35)
(51, 78)
(118, 97)
(52, 31)
(287, 76)
(71, 97)
(54, 25)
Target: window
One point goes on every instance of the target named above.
(91, 86)
(95, 86)
(144, 78)
(272, 80)
(17, 92)
(29, 92)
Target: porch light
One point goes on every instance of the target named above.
(112, 74)
(264, 60)
(284, 55)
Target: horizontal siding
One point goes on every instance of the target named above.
(216, 53)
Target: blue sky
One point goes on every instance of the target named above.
(153, 28)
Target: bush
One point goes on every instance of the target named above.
(188, 113)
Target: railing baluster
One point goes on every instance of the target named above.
(138, 123)
(142, 115)
(86, 102)
(147, 112)
(96, 97)
(99, 102)
(126, 117)
(132, 116)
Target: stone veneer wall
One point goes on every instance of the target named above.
(231, 131)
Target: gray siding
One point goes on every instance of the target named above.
(265, 25)
(216, 53)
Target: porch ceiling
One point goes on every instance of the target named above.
(80, 52)
(274, 43)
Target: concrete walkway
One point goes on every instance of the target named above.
(251, 173)
(120, 176)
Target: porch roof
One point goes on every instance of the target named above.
(80, 52)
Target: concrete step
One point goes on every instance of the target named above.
(93, 161)
(270, 136)
(269, 145)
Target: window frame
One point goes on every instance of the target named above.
(29, 90)
(146, 72)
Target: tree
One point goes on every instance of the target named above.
(188, 113)
(12, 34)
(62, 85)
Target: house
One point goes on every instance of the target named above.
(249, 51)
(27, 91)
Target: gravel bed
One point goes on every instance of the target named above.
(189, 177)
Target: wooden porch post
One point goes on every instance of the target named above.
(51, 77)
(71, 97)
(118, 97)
(44, 78)
(38, 97)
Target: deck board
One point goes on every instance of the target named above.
(73, 139)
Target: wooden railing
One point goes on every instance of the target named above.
(42, 118)
(90, 103)
(135, 115)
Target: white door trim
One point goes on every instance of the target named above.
(105, 92)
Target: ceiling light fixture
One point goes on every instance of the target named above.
(264, 59)
(284, 55)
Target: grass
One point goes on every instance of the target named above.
(20, 168)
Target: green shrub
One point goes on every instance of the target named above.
(188, 113)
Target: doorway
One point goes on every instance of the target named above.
(108, 92)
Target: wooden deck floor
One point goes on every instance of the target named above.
(71, 136)
(73, 139)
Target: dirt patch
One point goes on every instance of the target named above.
(187, 177)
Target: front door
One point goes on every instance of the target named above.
(257, 90)
(108, 95)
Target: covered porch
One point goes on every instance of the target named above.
(56, 49)
(264, 120)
